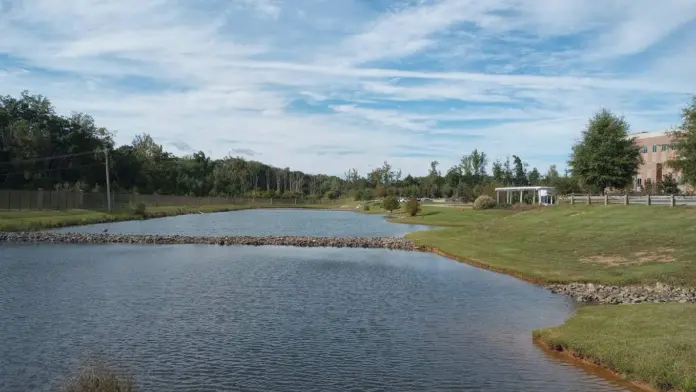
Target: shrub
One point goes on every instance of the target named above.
(331, 195)
(390, 203)
(100, 379)
(366, 207)
(140, 209)
(413, 206)
(484, 203)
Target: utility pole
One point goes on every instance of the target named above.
(108, 181)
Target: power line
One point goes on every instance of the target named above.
(49, 158)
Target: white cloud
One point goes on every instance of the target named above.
(436, 75)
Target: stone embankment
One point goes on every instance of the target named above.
(396, 243)
(605, 294)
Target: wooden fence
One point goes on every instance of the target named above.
(647, 200)
(67, 200)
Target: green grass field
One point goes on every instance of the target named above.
(602, 244)
(37, 220)
(652, 343)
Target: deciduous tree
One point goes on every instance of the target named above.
(684, 144)
(390, 203)
(605, 157)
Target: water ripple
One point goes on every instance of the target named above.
(206, 318)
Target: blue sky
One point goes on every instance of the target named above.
(329, 85)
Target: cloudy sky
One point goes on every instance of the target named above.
(327, 85)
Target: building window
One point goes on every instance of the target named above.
(644, 149)
(679, 180)
(664, 147)
(654, 147)
(639, 181)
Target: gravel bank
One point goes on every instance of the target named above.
(397, 243)
(604, 294)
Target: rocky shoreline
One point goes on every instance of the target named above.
(581, 292)
(606, 294)
(396, 243)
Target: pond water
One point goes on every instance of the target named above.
(261, 222)
(207, 318)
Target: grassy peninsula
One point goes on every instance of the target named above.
(619, 245)
(46, 219)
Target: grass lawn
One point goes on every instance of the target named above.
(652, 343)
(601, 244)
(36, 220)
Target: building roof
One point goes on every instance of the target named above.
(646, 135)
(523, 188)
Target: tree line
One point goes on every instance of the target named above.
(42, 149)
(607, 158)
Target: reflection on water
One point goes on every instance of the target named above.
(206, 318)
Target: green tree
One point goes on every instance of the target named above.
(605, 157)
(390, 203)
(330, 195)
(534, 177)
(413, 206)
(668, 185)
(473, 167)
(498, 172)
(520, 171)
(684, 144)
(508, 176)
(551, 175)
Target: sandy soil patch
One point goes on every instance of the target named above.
(660, 255)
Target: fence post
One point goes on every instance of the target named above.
(572, 198)
(672, 202)
(626, 199)
(589, 198)
(649, 200)
(39, 200)
(606, 199)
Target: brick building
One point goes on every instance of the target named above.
(656, 150)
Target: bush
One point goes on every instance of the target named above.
(390, 203)
(331, 195)
(100, 379)
(140, 209)
(366, 207)
(413, 206)
(484, 203)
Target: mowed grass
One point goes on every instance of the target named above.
(601, 244)
(652, 343)
(37, 220)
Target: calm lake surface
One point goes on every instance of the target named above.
(261, 222)
(209, 318)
